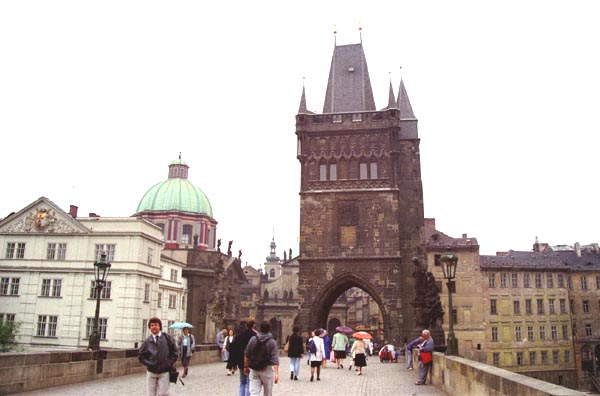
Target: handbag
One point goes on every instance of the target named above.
(286, 348)
(426, 357)
(173, 375)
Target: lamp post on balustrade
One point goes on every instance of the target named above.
(101, 269)
(449, 263)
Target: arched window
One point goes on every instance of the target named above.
(272, 273)
(186, 236)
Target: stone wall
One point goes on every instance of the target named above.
(27, 371)
(458, 377)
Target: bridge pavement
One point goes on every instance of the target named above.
(378, 379)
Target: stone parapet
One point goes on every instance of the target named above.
(28, 371)
(457, 376)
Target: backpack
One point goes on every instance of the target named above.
(311, 346)
(259, 357)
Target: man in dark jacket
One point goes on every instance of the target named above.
(265, 375)
(236, 352)
(158, 353)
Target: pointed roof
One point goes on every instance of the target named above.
(349, 86)
(406, 110)
(302, 109)
(391, 98)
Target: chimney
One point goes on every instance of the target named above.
(464, 236)
(73, 211)
(430, 223)
(577, 249)
(93, 215)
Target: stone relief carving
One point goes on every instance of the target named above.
(40, 219)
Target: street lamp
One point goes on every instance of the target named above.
(449, 262)
(101, 269)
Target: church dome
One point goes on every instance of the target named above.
(176, 193)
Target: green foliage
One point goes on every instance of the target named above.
(8, 336)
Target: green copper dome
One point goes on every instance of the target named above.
(175, 194)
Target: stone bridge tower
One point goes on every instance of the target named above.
(361, 198)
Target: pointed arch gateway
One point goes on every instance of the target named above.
(328, 295)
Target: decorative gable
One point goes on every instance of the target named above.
(41, 216)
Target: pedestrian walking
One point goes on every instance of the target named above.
(186, 349)
(159, 354)
(261, 361)
(295, 352)
(242, 336)
(339, 343)
(317, 351)
(358, 351)
(425, 356)
(326, 345)
(221, 344)
(308, 353)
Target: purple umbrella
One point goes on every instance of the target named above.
(344, 329)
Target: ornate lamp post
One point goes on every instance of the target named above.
(101, 269)
(449, 263)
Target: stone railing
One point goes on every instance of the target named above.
(27, 371)
(457, 376)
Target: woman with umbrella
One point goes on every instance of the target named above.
(186, 348)
(359, 350)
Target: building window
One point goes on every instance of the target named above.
(520, 358)
(323, 172)
(518, 335)
(528, 309)
(147, 292)
(272, 273)
(15, 250)
(493, 307)
(51, 287)
(569, 282)
(9, 286)
(332, 171)
(540, 306)
(530, 333)
(173, 275)
(504, 280)
(159, 300)
(108, 248)
(363, 174)
(494, 334)
(8, 319)
(517, 307)
(538, 281)
(551, 308)
(565, 332)
(563, 305)
(162, 271)
(46, 326)
(171, 330)
(172, 300)
(586, 306)
(560, 280)
(555, 357)
(496, 359)
(532, 358)
(588, 330)
(584, 283)
(186, 234)
(567, 356)
(102, 327)
(56, 251)
(526, 280)
(367, 170)
(454, 314)
(544, 357)
(514, 280)
(554, 332)
(183, 302)
(542, 333)
(549, 281)
(373, 169)
(492, 280)
(104, 294)
(150, 256)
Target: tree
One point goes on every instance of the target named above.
(8, 336)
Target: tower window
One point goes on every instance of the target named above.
(368, 170)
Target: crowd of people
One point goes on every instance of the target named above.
(254, 353)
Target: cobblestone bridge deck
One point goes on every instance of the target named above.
(211, 379)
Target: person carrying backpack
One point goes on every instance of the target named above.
(317, 350)
(261, 361)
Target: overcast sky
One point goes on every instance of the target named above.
(97, 98)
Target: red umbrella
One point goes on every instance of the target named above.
(362, 335)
